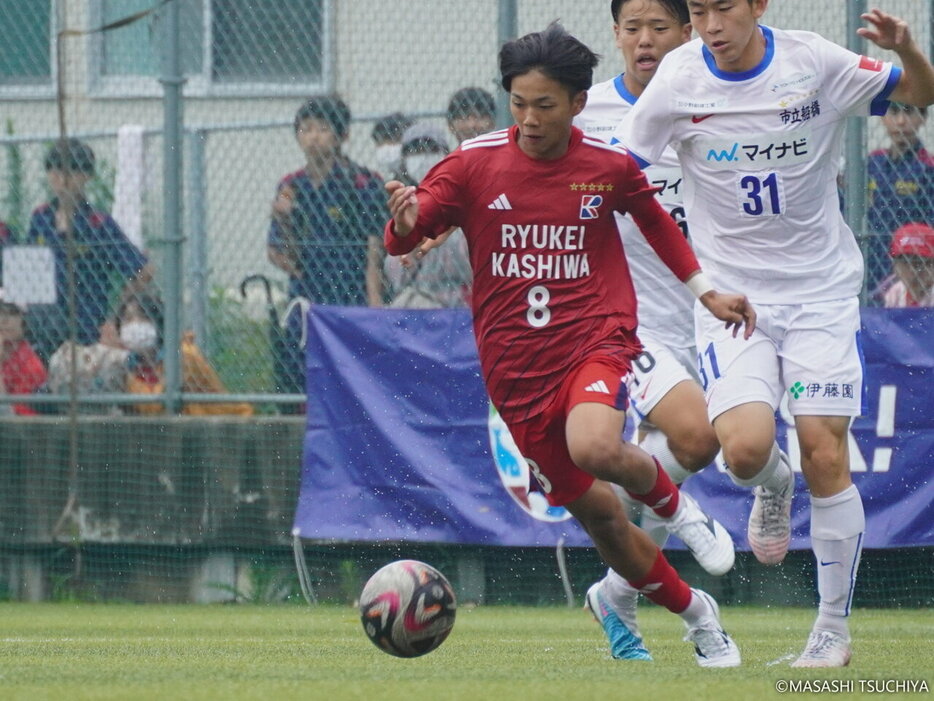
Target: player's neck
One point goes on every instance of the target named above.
(318, 169)
(634, 87)
(750, 57)
(899, 149)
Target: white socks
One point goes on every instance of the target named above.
(774, 476)
(696, 611)
(837, 525)
(617, 590)
(655, 443)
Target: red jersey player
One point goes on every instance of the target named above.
(554, 308)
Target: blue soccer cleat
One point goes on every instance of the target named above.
(625, 641)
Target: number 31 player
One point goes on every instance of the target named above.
(756, 116)
(554, 307)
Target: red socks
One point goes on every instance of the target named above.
(663, 586)
(663, 497)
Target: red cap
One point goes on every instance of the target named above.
(913, 240)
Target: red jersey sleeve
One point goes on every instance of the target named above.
(440, 203)
(657, 226)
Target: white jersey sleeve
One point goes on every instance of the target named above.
(666, 306)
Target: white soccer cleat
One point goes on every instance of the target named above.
(824, 649)
(619, 624)
(713, 647)
(706, 538)
(769, 530)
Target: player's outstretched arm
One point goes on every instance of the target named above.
(734, 309)
(403, 207)
(916, 86)
(422, 250)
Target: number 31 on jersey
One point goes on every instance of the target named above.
(760, 194)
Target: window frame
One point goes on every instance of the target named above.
(201, 85)
(42, 91)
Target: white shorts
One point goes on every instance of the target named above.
(655, 371)
(810, 351)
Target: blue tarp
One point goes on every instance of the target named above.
(402, 443)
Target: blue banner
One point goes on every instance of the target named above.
(403, 445)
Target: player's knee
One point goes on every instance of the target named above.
(695, 447)
(828, 457)
(746, 458)
(601, 457)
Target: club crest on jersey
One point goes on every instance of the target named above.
(590, 205)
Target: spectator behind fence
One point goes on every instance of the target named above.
(901, 186)
(103, 255)
(140, 322)
(326, 228)
(100, 368)
(443, 278)
(22, 370)
(471, 112)
(387, 135)
(6, 237)
(912, 283)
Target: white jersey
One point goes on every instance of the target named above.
(666, 306)
(760, 152)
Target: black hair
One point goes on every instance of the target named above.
(905, 107)
(72, 155)
(676, 8)
(554, 52)
(10, 309)
(471, 101)
(391, 127)
(424, 145)
(328, 108)
(151, 307)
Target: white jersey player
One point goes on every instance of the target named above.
(666, 400)
(756, 116)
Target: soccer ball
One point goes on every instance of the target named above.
(407, 608)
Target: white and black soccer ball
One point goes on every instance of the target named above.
(407, 608)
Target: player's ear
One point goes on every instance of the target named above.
(578, 102)
(686, 31)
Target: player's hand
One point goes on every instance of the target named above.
(283, 204)
(403, 206)
(408, 260)
(887, 31)
(735, 310)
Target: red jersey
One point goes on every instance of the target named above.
(23, 373)
(551, 284)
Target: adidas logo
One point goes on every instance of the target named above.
(598, 386)
(500, 203)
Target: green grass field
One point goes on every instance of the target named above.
(120, 651)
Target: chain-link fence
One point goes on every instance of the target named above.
(184, 180)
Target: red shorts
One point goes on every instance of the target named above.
(542, 439)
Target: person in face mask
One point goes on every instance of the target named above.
(423, 145)
(139, 325)
(443, 279)
(387, 135)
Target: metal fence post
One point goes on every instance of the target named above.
(507, 30)
(172, 81)
(855, 150)
(197, 235)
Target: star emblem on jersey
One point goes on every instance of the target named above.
(598, 386)
(598, 187)
(500, 202)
